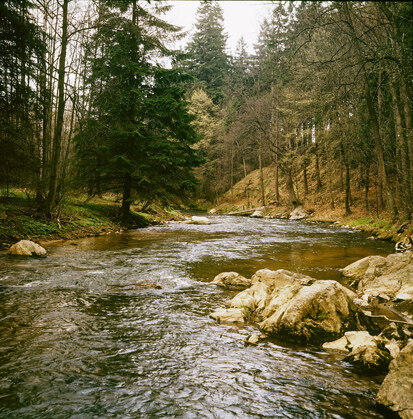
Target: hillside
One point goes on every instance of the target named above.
(375, 219)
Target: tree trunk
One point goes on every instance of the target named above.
(247, 195)
(289, 186)
(126, 198)
(57, 139)
(261, 178)
(373, 116)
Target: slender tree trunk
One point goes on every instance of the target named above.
(247, 195)
(57, 139)
(126, 198)
(403, 146)
(366, 185)
(373, 116)
(277, 170)
(289, 186)
(262, 187)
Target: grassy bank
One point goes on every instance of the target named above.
(78, 218)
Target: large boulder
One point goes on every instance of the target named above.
(229, 315)
(357, 270)
(231, 280)
(27, 248)
(319, 312)
(396, 391)
(394, 278)
(280, 278)
(376, 276)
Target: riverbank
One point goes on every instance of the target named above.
(326, 203)
(78, 219)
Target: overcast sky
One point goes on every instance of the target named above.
(242, 18)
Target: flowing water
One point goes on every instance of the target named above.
(80, 338)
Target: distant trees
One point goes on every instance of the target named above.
(329, 88)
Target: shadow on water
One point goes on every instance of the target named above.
(79, 337)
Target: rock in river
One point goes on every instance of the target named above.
(396, 391)
(231, 280)
(316, 313)
(229, 315)
(199, 220)
(27, 248)
(376, 276)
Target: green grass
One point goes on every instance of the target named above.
(19, 220)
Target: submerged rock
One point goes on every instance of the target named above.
(231, 280)
(396, 391)
(199, 220)
(27, 248)
(229, 315)
(315, 313)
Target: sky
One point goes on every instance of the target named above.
(241, 18)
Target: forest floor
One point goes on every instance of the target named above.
(375, 219)
(78, 218)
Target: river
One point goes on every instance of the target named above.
(80, 338)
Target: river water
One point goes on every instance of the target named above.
(80, 338)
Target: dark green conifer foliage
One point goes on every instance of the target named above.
(20, 46)
(139, 134)
(208, 61)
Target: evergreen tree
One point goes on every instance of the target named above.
(20, 48)
(208, 61)
(140, 127)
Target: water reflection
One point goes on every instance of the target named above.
(79, 338)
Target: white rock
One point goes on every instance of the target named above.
(339, 345)
(298, 214)
(253, 339)
(229, 315)
(27, 248)
(280, 278)
(257, 214)
(359, 338)
(199, 220)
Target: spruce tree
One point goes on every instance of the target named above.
(140, 127)
(208, 61)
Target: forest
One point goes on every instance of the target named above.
(94, 100)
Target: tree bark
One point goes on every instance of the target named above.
(57, 138)
(373, 115)
(262, 187)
